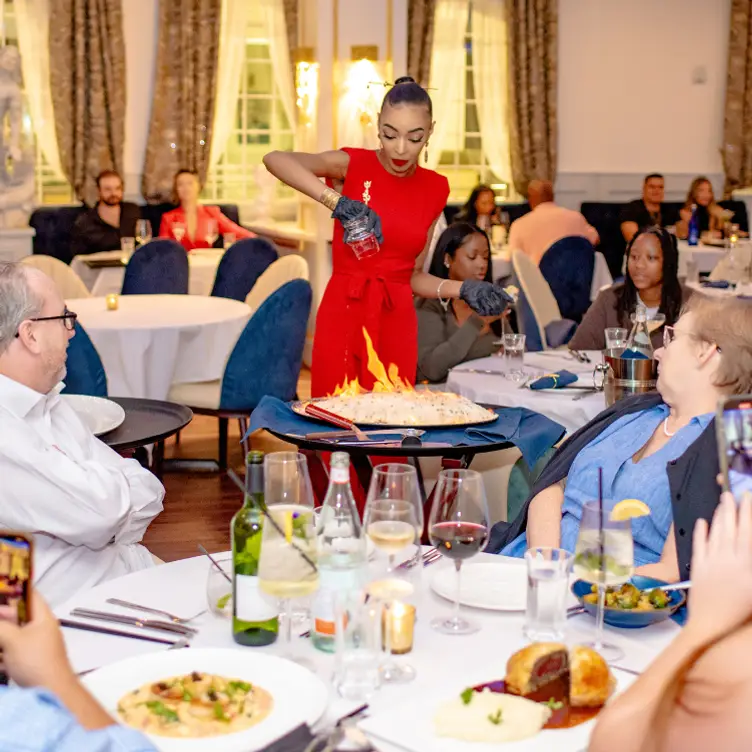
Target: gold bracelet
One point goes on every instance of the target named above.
(330, 199)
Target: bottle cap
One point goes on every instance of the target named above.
(254, 458)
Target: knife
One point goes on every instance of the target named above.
(163, 626)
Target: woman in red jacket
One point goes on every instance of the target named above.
(400, 203)
(189, 224)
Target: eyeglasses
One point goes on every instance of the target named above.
(67, 317)
(670, 334)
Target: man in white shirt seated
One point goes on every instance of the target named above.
(87, 507)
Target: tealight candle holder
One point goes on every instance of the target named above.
(399, 620)
(112, 301)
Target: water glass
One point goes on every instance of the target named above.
(218, 589)
(547, 589)
(358, 648)
(360, 238)
(693, 272)
(143, 231)
(212, 232)
(514, 353)
(127, 247)
(616, 338)
(228, 238)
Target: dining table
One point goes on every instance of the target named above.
(706, 257)
(153, 341)
(103, 272)
(486, 381)
(445, 664)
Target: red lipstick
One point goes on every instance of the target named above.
(400, 162)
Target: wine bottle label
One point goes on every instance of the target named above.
(250, 603)
(340, 475)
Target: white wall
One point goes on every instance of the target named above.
(627, 103)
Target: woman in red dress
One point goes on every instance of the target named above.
(189, 223)
(401, 202)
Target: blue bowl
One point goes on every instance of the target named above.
(618, 617)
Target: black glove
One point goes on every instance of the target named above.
(485, 298)
(348, 209)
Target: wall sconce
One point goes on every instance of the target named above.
(361, 98)
(306, 85)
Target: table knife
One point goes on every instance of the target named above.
(163, 626)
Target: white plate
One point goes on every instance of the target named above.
(497, 586)
(410, 726)
(100, 415)
(299, 695)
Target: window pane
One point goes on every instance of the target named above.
(258, 114)
(471, 119)
(260, 78)
(257, 52)
(470, 157)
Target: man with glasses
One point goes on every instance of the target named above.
(87, 507)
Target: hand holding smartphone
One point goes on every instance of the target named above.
(15, 579)
(734, 431)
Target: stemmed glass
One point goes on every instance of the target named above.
(458, 527)
(143, 231)
(212, 232)
(178, 230)
(604, 556)
(287, 565)
(393, 520)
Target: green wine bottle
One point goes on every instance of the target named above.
(254, 615)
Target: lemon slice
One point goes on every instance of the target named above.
(629, 508)
(287, 526)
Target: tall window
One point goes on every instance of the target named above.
(49, 188)
(261, 125)
(466, 164)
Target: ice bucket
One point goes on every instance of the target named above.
(628, 376)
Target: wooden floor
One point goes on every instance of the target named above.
(198, 507)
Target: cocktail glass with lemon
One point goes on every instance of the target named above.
(604, 555)
(287, 564)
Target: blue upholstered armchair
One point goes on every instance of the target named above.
(567, 266)
(159, 267)
(85, 372)
(241, 265)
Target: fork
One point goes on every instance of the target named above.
(427, 557)
(155, 611)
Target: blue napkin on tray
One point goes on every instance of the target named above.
(531, 432)
(555, 380)
(633, 355)
(717, 284)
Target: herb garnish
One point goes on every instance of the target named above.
(160, 709)
(219, 712)
(495, 718)
(554, 704)
(467, 695)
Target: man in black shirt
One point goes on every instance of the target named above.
(100, 228)
(648, 210)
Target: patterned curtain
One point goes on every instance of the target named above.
(420, 18)
(87, 78)
(532, 30)
(737, 126)
(183, 106)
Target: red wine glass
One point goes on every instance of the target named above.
(458, 528)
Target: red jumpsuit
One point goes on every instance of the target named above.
(375, 292)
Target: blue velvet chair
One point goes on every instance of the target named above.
(160, 267)
(85, 372)
(265, 361)
(241, 265)
(567, 266)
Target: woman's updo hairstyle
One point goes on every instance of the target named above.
(407, 91)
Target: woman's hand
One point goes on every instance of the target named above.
(348, 209)
(721, 596)
(485, 298)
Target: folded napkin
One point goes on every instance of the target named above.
(717, 284)
(531, 432)
(633, 355)
(555, 380)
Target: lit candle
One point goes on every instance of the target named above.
(399, 619)
(112, 301)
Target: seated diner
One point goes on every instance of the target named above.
(658, 448)
(651, 279)
(450, 332)
(711, 216)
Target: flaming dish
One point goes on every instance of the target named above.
(395, 403)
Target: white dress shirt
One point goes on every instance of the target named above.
(86, 506)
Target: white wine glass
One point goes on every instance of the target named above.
(604, 556)
(458, 527)
(212, 232)
(393, 520)
(143, 231)
(287, 566)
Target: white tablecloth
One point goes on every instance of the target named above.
(154, 341)
(202, 269)
(705, 256)
(559, 405)
(180, 588)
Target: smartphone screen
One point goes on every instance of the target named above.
(15, 574)
(735, 445)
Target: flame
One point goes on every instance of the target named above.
(387, 379)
